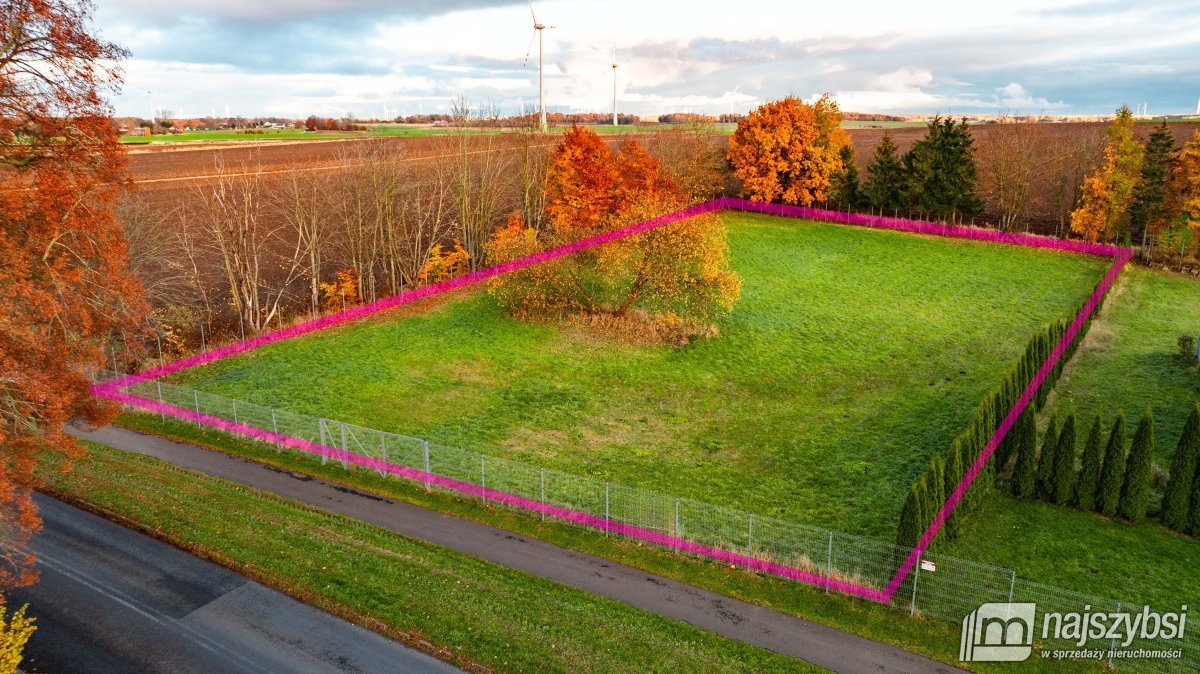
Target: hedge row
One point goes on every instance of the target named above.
(931, 489)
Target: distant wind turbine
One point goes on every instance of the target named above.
(614, 65)
(537, 32)
(732, 95)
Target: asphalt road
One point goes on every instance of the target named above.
(113, 600)
(820, 645)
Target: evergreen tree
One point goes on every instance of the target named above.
(1150, 202)
(937, 486)
(884, 187)
(1178, 495)
(1193, 526)
(909, 531)
(1064, 463)
(1025, 471)
(843, 185)
(1087, 491)
(941, 171)
(1045, 486)
(1113, 474)
(955, 470)
(1135, 493)
(926, 505)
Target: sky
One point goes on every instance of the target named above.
(369, 58)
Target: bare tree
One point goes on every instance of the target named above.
(1068, 156)
(692, 155)
(303, 200)
(1009, 157)
(232, 220)
(420, 221)
(478, 177)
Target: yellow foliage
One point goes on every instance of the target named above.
(14, 633)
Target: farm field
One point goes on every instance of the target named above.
(1126, 363)
(852, 356)
(259, 135)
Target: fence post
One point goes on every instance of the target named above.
(678, 528)
(321, 427)
(1012, 585)
(158, 385)
(606, 520)
(274, 422)
(425, 459)
(916, 576)
(235, 419)
(1112, 645)
(750, 536)
(196, 399)
(345, 449)
(829, 563)
(542, 481)
(483, 477)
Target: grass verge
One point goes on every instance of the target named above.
(481, 616)
(932, 638)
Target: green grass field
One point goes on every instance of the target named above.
(851, 357)
(1126, 363)
(1129, 359)
(474, 611)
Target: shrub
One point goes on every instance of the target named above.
(1178, 494)
(910, 519)
(1087, 490)
(1025, 471)
(1114, 468)
(954, 472)
(1064, 463)
(1045, 481)
(1135, 493)
(1187, 348)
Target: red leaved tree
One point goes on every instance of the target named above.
(676, 278)
(65, 288)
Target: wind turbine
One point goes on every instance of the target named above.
(614, 65)
(537, 31)
(731, 95)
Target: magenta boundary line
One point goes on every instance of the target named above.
(112, 389)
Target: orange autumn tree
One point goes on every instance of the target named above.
(65, 287)
(1108, 190)
(1184, 199)
(676, 275)
(788, 150)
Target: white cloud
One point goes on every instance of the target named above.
(873, 54)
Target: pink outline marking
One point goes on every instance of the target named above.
(111, 389)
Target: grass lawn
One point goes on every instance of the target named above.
(1126, 362)
(1084, 552)
(929, 637)
(474, 611)
(852, 356)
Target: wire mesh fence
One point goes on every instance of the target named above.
(940, 587)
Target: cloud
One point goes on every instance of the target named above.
(874, 55)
